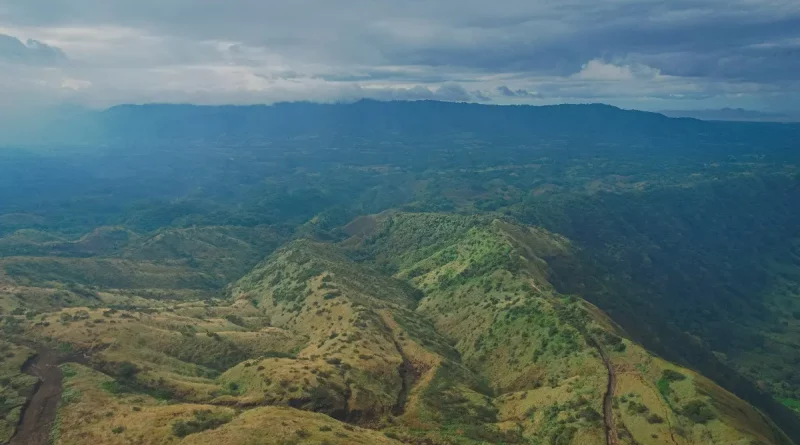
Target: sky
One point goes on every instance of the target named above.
(645, 54)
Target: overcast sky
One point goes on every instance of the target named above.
(648, 54)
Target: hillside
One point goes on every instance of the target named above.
(467, 342)
(516, 330)
(430, 273)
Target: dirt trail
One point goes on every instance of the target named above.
(608, 398)
(406, 369)
(39, 412)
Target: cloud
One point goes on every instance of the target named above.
(603, 71)
(508, 92)
(75, 84)
(481, 96)
(598, 70)
(450, 92)
(738, 53)
(31, 52)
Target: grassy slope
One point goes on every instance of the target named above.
(14, 386)
(201, 259)
(142, 419)
(468, 343)
(361, 330)
(485, 285)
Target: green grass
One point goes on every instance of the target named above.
(791, 403)
(663, 387)
(55, 432)
(488, 312)
(203, 420)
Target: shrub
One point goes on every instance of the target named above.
(127, 371)
(672, 376)
(589, 414)
(663, 387)
(12, 326)
(81, 315)
(203, 420)
(235, 319)
(698, 411)
(655, 418)
(118, 429)
(637, 408)
(68, 371)
(331, 295)
(114, 387)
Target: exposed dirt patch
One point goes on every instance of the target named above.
(39, 413)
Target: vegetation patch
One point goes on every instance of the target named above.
(203, 420)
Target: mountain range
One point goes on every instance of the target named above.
(399, 272)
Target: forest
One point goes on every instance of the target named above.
(364, 268)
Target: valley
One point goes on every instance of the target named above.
(342, 284)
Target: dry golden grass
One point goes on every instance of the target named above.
(89, 414)
(638, 375)
(281, 381)
(423, 364)
(494, 354)
(280, 426)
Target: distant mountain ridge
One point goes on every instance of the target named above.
(733, 114)
(367, 117)
(588, 124)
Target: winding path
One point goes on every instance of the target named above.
(608, 401)
(39, 413)
(608, 398)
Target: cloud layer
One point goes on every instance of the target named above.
(31, 52)
(637, 53)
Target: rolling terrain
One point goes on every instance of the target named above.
(466, 342)
(507, 275)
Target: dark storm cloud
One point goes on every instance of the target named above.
(714, 45)
(31, 52)
(569, 49)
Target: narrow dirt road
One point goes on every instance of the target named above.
(39, 412)
(608, 401)
(608, 398)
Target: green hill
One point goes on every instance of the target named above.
(423, 273)
(466, 342)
